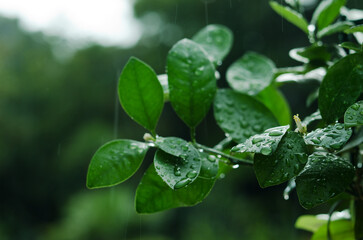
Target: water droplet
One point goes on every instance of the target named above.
(211, 158)
(289, 146)
(350, 117)
(182, 183)
(266, 150)
(222, 176)
(235, 166)
(275, 133)
(196, 159)
(173, 146)
(301, 157)
(185, 148)
(355, 106)
(335, 146)
(183, 156)
(361, 112)
(192, 174)
(257, 128)
(244, 124)
(257, 140)
(316, 141)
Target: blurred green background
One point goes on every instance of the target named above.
(56, 111)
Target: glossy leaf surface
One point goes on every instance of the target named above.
(334, 28)
(354, 115)
(251, 73)
(115, 162)
(140, 93)
(192, 82)
(240, 115)
(358, 28)
(326, 12)
(210, 166)
(285, 163)
(324, 176)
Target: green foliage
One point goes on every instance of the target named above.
(326, 12)
(354, 115)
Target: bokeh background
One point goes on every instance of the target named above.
(58, 104)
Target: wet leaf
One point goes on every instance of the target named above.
(192, 81)
(285, 163)
(358, 28)
(312, 54)
(326, 12)
(334, 28)
(140, 93)
(251, 73)
(154, 195)
(354, 115)
(332, 137)
(311, 118)
(324, 176)
(163, 79)
(290, 15)
(210, 166)
(240, 115)
(341, 87)
(216, 40)
(115, 162)
(352, 46)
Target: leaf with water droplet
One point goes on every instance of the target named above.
(341, 87)
(239, 114)
(210, 166)
(216, 40)
(154, 195)
(354, 115)
(326, 12)
(192, 82)
(332, 137)
(284, 163)
(140, 93)
(265, 143)
(115, 162)
(311, 118)
(328, 173)
(251, 73)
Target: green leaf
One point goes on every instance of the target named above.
(352, 46)
(178, 163)
(163, 79)
(240, 115)
(274, 100)
(285, 163)
(332, 137)
(290, 15)
(154, 195)
(311, 118)
(356, 140)
(354, 115)
(326, 12)
(251, 73)
(216, 40)
(317, 54)
(140, 93)
(309, 223)
(324, 176)
(265, 143)
(210, 166)
(115, 162)
(358, 28)
(341, 87)
(339, 230)
(192, 82)
(334, 28)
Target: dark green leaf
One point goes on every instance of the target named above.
(251, 73)
(332, 137)
(354, 115)
(290, 15)
(154, 195)
(216, 40)
(324, 176)
(309, 223)
(326, 12)
(274, 100)
(311, 118)
(354, 141)
(140, 93)
(210, 165)
(341, 87)
(339, 230)
(286, 162)
(358, 28)
(352, 46)
(178, 163)
(265, 143)
(240, 115)
(192, 82)
(115, 162)
(334, 28)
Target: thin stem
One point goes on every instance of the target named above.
(230, 158)
(192, 134)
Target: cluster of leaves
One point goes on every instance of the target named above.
(254, 115)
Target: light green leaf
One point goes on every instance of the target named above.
(285, 163)
(324, 176)
(332, 137)
(192, 81)
(154, 195)
(178, 163)
(216, 40)
(309, 223)
(264, 143)
(163, 79)
(140, 93)
(115, 162)
(334, 28)
(341, 87)
(354, 115)
(358, 28)
(274, 100)
(251, 73)
(352, 46)
(290, 15)
(240, 115)
(339, 230)
(326, 13)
